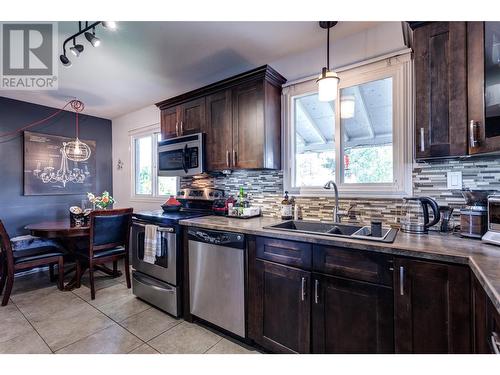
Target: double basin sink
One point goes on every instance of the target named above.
(335, 230)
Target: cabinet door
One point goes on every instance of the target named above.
(248, 126)
(169, 123)
(218, 128)
(483, 64)
(480, 318)
(441, 90)
(192, 116)
(351, 316)
(493, 329)
(282, 308)
(432, 307)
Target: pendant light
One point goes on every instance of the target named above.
(77, 150)
(328, 81)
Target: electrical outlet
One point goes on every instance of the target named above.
(454, 180)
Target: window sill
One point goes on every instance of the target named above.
(349, 194)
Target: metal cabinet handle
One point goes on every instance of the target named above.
(422, 140)
(401, 281)
(473, 133)
(177, 128)
(316, 291)
(160, 229)
(234, 157)
(227, 158)
(182, 128)
(303, 289)
(495, 343)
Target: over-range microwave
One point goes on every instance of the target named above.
(182, 156)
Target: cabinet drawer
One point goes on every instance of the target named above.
(353, 264)
(291, 253)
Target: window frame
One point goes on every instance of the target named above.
(399, 67)
(149, 131)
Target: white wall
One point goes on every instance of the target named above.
(379, 40)
(122, 126)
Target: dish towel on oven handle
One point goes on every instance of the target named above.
(151, 243)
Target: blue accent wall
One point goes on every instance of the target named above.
(17, 210)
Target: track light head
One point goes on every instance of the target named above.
(65, 61)
(95, 41)
(111, 25)
(76, 49)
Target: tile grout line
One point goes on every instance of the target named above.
(32, 326)
(206, 351)
(168, 329)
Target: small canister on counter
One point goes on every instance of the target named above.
(376, 228)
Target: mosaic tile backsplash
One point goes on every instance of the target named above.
(265, 189)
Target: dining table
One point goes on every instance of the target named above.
(69, 235)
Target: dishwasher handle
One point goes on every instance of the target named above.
(226, 239)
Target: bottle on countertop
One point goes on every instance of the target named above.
(286, 208)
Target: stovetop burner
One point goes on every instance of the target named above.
(195, 203)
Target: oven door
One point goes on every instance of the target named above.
(165, 264)
(181, 156)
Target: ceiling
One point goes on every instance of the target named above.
(145, 62)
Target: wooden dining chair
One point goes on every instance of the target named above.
(108, 242)
(29, 252)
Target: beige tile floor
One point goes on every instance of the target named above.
(41, 319)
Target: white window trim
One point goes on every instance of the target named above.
(400, 68)
(154, 197)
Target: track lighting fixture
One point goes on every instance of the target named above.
(65, 61)
(90, 36)
(76, 49)
(88, 30)
(109, 25)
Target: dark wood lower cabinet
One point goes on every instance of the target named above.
(432, 307)
(351, 316)
(282, 308)
(480, 318)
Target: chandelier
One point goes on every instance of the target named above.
(76, 150)
(64, 174)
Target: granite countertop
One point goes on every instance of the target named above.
(484, 259)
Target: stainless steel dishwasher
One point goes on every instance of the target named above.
(217, 278)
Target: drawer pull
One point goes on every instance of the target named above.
(495, 343)
(303, 289)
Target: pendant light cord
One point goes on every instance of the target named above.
(328, 49)
(30, 125)
(77, 106)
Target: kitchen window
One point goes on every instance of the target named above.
(146, 182)
(362, 141)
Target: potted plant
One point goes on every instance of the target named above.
(101, 202)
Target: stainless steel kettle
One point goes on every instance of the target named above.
(415, 214)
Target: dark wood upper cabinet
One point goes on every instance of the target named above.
(218, 128)
(483, 64)
(441, 90)
(240, 115)
(282, 308)
(432, 307)
(169, 123)
(351, 317)
(192, 117)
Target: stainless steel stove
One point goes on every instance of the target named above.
(159, 280)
